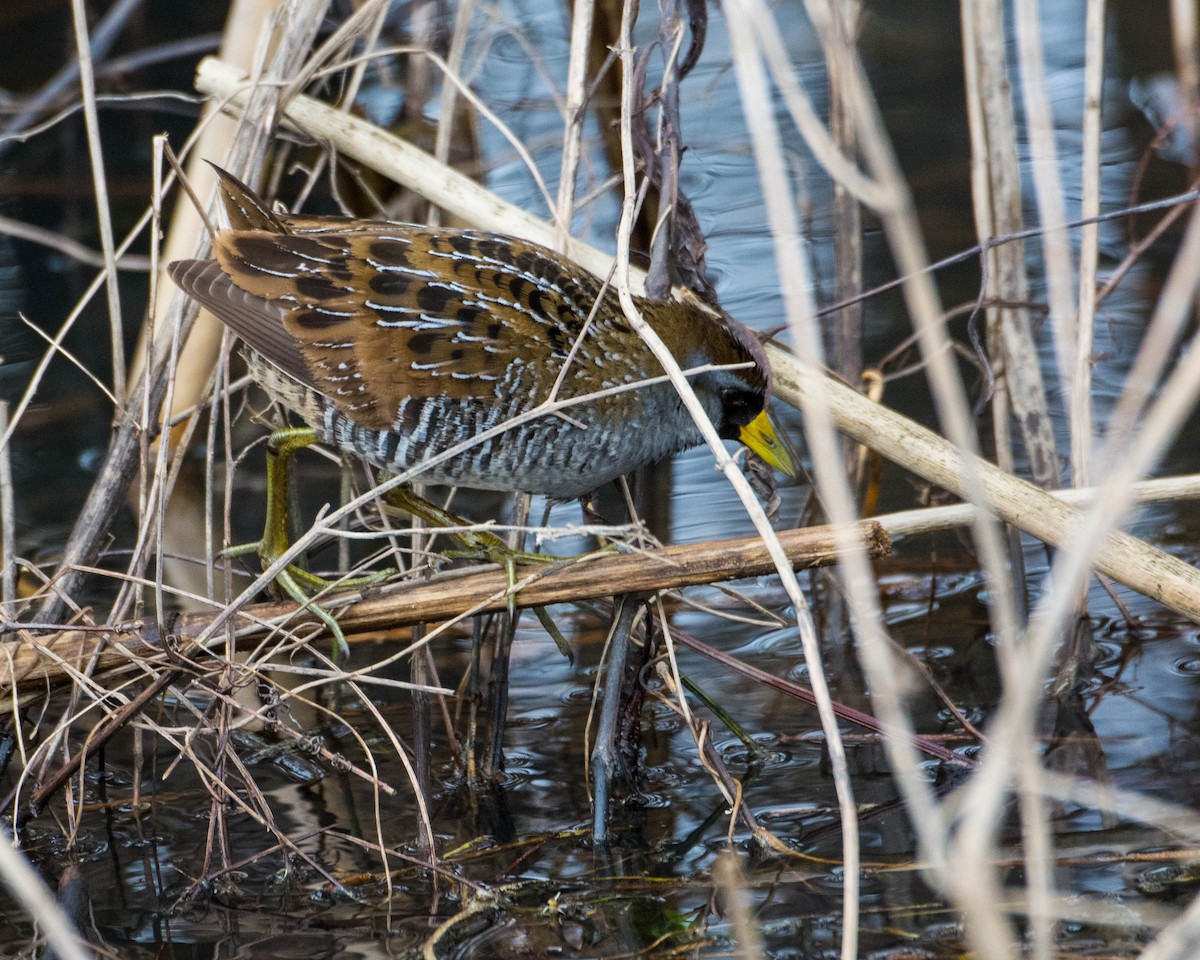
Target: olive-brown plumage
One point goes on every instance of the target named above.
(403, 343)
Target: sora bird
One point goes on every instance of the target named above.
(413, 346)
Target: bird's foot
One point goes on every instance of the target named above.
(303, 586)
(294, 581)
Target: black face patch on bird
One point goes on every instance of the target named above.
(739, 406)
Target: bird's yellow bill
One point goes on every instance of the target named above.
(760, 436)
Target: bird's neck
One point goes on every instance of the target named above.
(678, 325)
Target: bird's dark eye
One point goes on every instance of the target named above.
(739, 407)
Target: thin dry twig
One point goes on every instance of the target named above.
(91, 118)
(68, 247)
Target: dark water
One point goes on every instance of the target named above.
(1133, 721)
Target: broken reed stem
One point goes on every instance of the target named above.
(51, 657)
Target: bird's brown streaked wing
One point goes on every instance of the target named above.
(409, 311)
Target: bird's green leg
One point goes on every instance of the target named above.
(473, 544)
(297, 583)
(479, 545)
